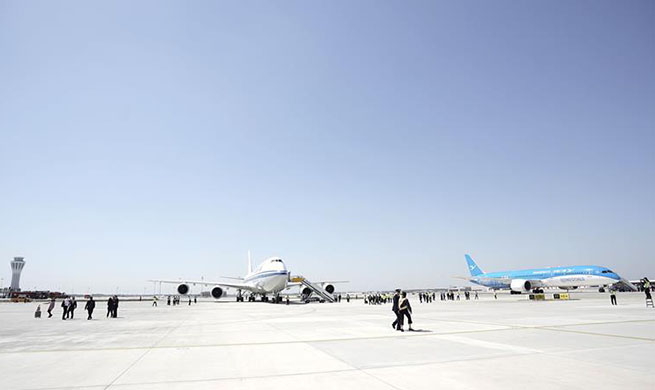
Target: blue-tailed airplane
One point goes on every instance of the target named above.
(537, 279)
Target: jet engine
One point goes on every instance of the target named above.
(183, 289)
(521, 285)
(328, 287)
(217, 292)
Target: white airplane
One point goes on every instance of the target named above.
(269, 279)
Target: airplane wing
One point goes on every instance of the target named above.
(239, 286)
(332, 281)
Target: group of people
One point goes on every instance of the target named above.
(401, 308)
(175, 300)
(338, 298)
(376, 299)
(426, 297)
(112, 307)
(450, 296)
(69, 304)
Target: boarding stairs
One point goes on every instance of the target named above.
(318, 290)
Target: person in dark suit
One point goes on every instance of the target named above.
(394, 308)
(72, 307)
(405, 310)
(65, 304)
(114, 312)
(90, 305)
(110, 306)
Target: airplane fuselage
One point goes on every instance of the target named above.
(270, 277)
(570, 276)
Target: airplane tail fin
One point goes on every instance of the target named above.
(249, 264)
(473, 268)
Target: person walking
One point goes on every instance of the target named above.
(65, 304)
(89, 306)
(154, 301)
(72, 307)
(405, 311)
(394, 308)
(110, 306)
(51, 306)
(613, 296)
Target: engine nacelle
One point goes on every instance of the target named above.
(306, 291)
(521, 285)
(183, 289)
(328, 287)
(217, 292)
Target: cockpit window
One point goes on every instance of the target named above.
(607, 271)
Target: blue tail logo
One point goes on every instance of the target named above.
(473, 268)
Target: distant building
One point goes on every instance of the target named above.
(16, 268)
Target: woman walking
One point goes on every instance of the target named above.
(405, 311)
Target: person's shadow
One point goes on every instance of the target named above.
(420, 331)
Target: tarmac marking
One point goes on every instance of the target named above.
(346, 339)
(554, 329)
(353, 369)
(137, 360)
(395, 336)
(489, 344)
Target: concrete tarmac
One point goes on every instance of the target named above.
(491, 344)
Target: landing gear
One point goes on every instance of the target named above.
(538, 291)
(239, 297)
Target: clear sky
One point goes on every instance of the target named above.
(373, 141)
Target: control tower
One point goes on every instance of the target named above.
(16, 268)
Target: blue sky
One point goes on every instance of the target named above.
(371, 141)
